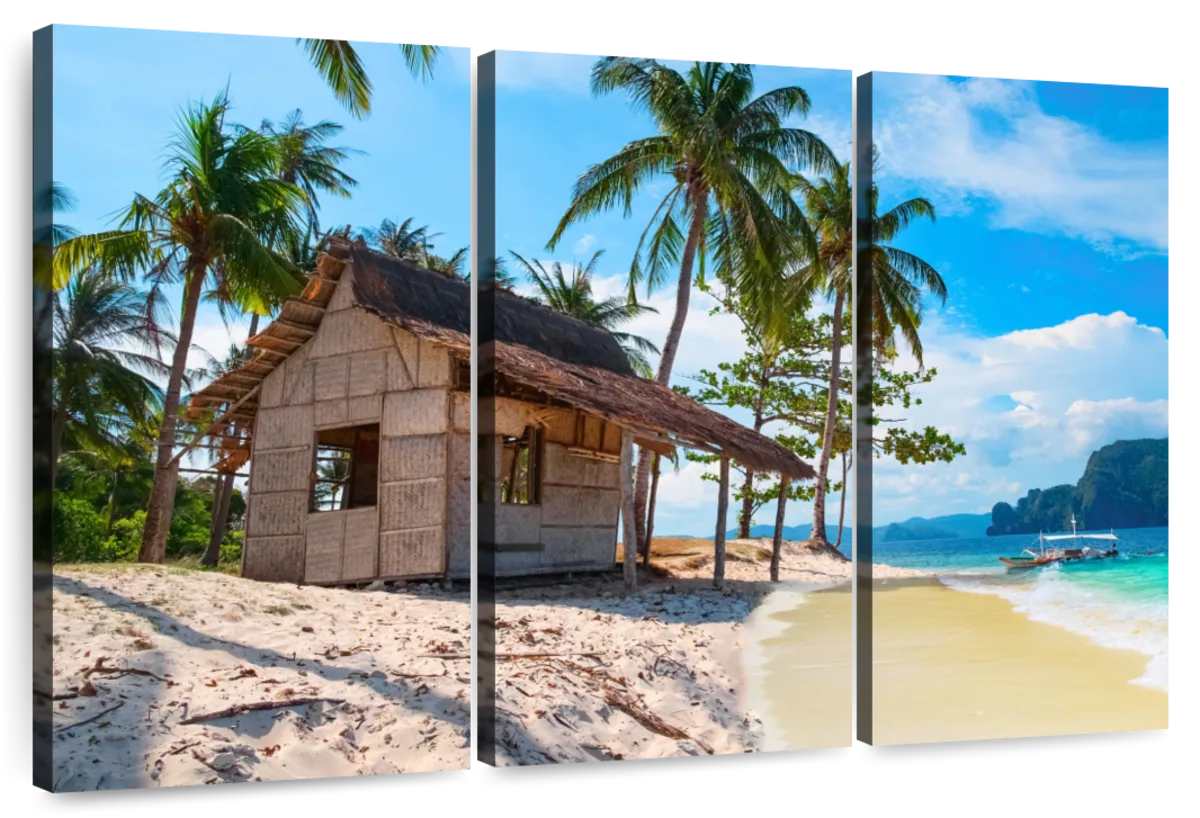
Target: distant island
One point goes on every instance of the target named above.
(950, 526)
(1123, 486)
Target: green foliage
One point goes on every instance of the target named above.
(231, 548)
(126, 538)
(783, 381)
(573, 296)
(78, 530)
(893, 389)
(726, 157)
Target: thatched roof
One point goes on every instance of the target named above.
(554, 355)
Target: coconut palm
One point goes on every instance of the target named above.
(215, 222)
(725, 156)
(404, 241)
(502, 279)
(452, 267)
(897, 281)
(104, 367)
(342, 69)
(305, 160)
(573, 296)
(223, 487)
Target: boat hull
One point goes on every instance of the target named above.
(1071, 555)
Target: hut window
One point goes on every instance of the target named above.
(346, 473)
(462, 375)
(520, 467)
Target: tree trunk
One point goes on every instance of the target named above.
(112, 499)
(719, 538)
(747, 506)
(819, 535)
(656, 465)
(223, 493)
(744, 519)
(162, 492)
(777, 540)
(629, 529)
(220, 520)
(842, 512)
(57, 429)
(683, 298)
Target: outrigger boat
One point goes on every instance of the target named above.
(1046, 554)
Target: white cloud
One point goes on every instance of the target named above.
(1030, 406)
(988, 142)
(586, 242)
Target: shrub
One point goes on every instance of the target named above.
(79, 530)
(231, 548)
(125, 540)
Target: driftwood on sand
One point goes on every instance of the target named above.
(240, 709)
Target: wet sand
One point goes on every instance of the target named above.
(953, 666)
(949, 666)
(803, 685)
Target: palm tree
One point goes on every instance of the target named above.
(104, 388)
(452, 267)
(725, 155)
(223, 487)
(403, 241)
(502, 279)
(897, 277)
(573, 296)
(223, 208)
(340, 66)
(307, 162)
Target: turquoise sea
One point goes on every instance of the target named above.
(1119, 602)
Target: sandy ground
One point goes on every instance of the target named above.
(951, 666)
(379, 681)
(585, 672)
(140, 650)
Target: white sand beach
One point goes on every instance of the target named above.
(152, 664)
(585, 672)
(379, 680)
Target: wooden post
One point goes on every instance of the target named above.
(628, 522)
(777, 542)
(719, 539)
(650, 511)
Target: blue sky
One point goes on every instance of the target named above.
(118, 92)
(1052, 238)
(549, 129)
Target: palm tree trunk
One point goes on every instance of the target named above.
(650, 514)
(112, 499)
(223, 494)
(683, 297)
(56, 435)
(220, 520)
(842, 512)
(819, 535)
(162, 492)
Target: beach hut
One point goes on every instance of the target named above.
(353, 413)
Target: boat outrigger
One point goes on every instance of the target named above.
(1046, 554)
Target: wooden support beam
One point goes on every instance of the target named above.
(629, 531)
(219, 421)
(296, 326)
(719, 539)
(777, 542)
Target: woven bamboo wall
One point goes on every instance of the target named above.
(356, 370)
(458, 514)
(575, 525)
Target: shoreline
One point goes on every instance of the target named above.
(678, 668)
